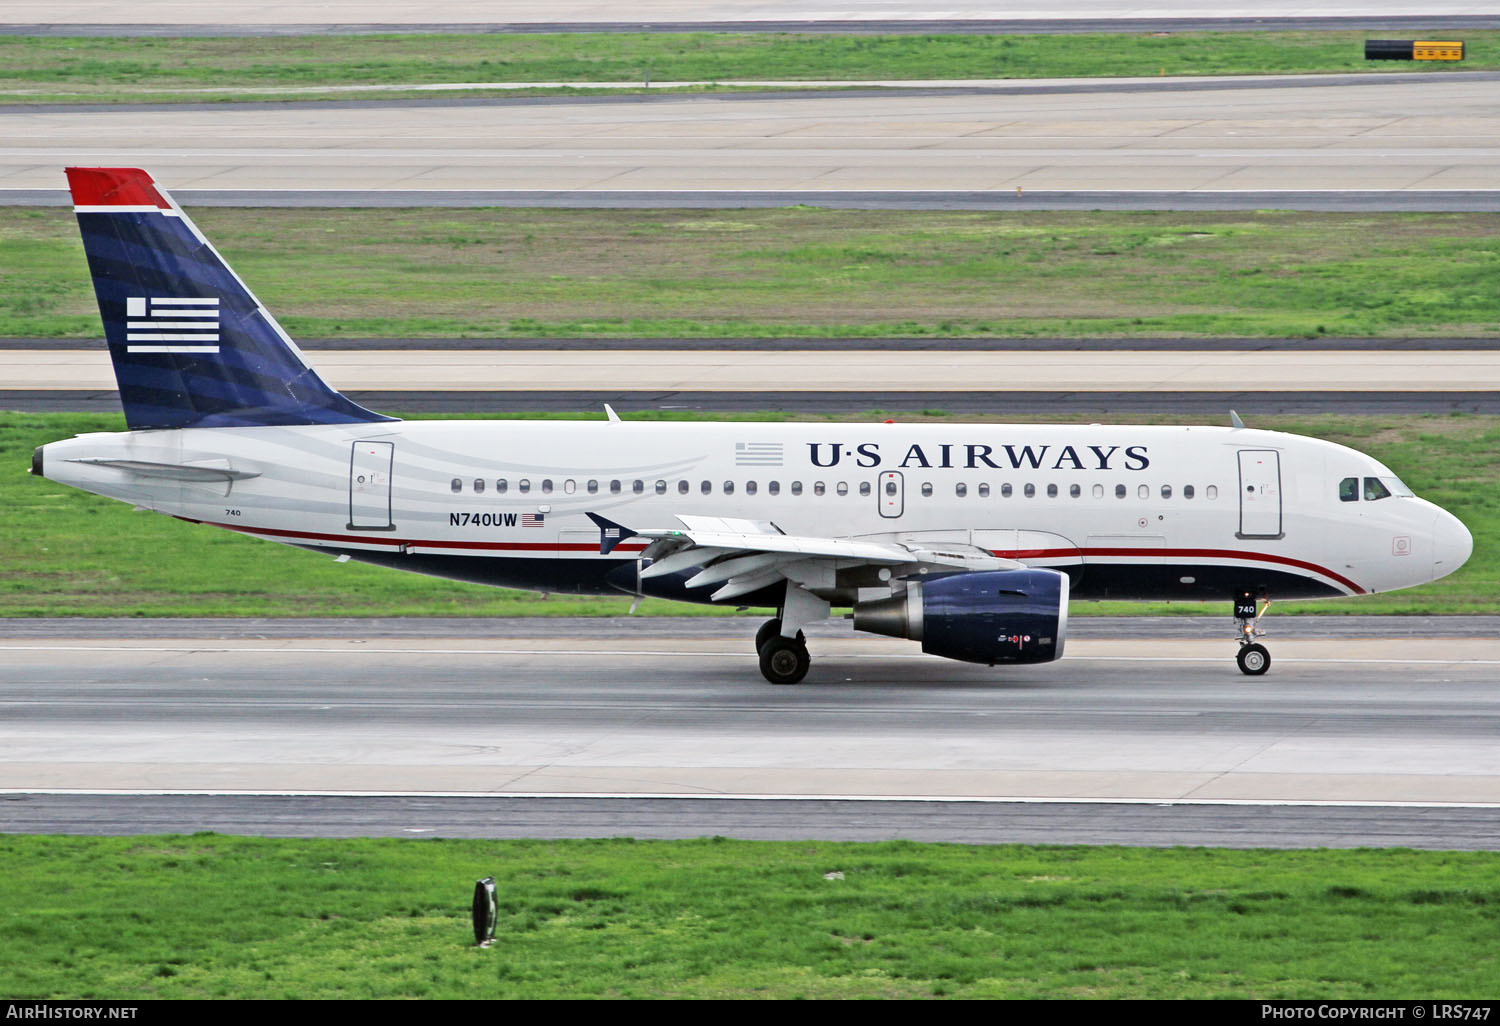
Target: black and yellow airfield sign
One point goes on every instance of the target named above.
(1414, 50)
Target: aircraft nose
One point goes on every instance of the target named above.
(1452, 544)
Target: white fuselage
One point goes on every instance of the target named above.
(1128, 512)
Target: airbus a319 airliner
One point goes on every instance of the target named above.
(968, 538)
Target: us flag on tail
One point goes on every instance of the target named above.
(189, 325)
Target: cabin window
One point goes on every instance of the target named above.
(1029, 491)
(706, 487)
(1187, 491)
(661, 488)
(1005, 490)
(1375, 490)
(1211, 492)
(614, 488)
(1166, 491)
(926, 489)
(817, 487)
(960, 489)
(728, 487)
(1098, 491)
(593, 486)
(984, 491)
(523, 485)
(1144, 491)
(774, 487)
(457, 485)
(682, 487)
(864, 488)
(796, 487)
(1119, 491)
(638, 486)
(569, 486)
(843, 488)
(1074, 491)
(750, 487)
(1052, 491)
(546, 486)
(501, 485)
(479, 486)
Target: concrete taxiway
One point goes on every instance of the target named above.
(1385, 714)
(857, 371)
(1389, 133)
(388, 375)
(240, 17)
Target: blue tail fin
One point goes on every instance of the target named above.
(191, 345)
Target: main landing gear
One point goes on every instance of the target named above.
(1252, 657)
(782, 660)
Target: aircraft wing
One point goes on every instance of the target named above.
(742, 556)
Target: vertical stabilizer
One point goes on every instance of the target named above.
(191, 345)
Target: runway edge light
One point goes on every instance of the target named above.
(484, 912)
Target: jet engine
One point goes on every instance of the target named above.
(993, 616)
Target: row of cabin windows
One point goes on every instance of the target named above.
(1075, 491)
(638, 487)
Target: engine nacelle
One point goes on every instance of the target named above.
(993, 616)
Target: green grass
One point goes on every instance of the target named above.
(810, 272)
(212, 917)
(68, 553)
(113, 70)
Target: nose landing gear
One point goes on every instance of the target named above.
(1253, 659)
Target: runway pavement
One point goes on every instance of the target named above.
(672, 724)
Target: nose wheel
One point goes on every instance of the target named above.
(1253, 658)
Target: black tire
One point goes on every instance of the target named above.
(784, 661)
(772, 629)
(1254, 660)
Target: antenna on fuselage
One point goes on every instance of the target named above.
(1234, 420)
(614, 418)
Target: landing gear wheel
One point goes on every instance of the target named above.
(772, 629)
(784, 661)
(1254, 660)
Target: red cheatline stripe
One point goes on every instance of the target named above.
(113, 187)
(1253, 557)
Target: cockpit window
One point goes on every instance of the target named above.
(1374, 489)
(1349, 489)
(1397, 486)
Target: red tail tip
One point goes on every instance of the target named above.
(113, 187)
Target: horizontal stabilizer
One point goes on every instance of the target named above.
(177, 471)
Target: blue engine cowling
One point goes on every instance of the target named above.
(993, 616)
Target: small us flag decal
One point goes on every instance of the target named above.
(180, 325)
(757, 454)
(533, 519)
